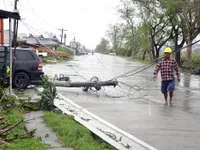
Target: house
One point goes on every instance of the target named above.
(40, 41)
(20, 40)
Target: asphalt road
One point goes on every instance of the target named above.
(136, 105)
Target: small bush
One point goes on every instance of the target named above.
(48, 95)
(195, 62)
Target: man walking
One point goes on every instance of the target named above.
(167, 66)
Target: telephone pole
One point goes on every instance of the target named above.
(15, 27)
(12, 42)
(62, 32)
(65, 37)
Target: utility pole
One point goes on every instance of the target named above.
(62, 31)
(15, 27)
(12, 42)
(65, 37)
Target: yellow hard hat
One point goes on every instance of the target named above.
(168, 50)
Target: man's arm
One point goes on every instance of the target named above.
(157, 69)
(176, 68)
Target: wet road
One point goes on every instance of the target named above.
(136, 105)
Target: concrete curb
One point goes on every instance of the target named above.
(108, 132)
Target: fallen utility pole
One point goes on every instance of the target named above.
(93, 83)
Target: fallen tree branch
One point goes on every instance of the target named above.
(25, 135)
(5, 127)
(15, 125)
(2, 96)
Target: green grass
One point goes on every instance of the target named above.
(136, 60)
(72, 134)
(25, 144)
(140, 61)
(12, 117)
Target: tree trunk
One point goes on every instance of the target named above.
(153, 52)
(178, 57)
(188, 63)
(178, 53)
(189, 49)
(157, 52)
(133, 52)
(144, 55)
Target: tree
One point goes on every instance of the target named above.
(127, 13)
(160, 34)
(191, 22)
(172, 11)
(184, 15)
(113, 34)
(103, 46)
(144, 40)
(151, 14)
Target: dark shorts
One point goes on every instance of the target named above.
(167, 86)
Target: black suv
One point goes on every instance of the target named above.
(27, 68)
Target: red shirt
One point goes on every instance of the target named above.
(167, 68)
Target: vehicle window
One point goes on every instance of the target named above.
(24, 55)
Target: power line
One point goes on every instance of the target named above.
(141, 69)
(42, 45)
(144, 67)
(39, 19)
(124, 94)
(5, 4)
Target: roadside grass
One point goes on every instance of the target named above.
(72, 134)
(53, 60)
(136, 60)
(48, 60)
(13, 116)
(139, 60)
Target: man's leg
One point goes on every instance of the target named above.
(164, 90)
(170, 89)
(165, 96)
(171, 96)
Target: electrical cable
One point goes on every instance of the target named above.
(53, 53)
(5, 4)
(144, 67)
(137, 70)
(140, 69)
(41, 20)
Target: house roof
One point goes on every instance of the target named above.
(47, 42)
(40, 41)
(7, 14)
(32, 40)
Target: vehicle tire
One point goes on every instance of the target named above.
(21, 80)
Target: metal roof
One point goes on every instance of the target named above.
(39, 41)
(32, 40)
(47, 42)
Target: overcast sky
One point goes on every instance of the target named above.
(86, 19)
